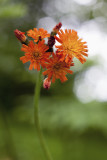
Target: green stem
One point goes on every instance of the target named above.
(36, 116)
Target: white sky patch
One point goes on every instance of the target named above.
(42, 23)
(96, 39)
(92, 85)
(65, 6)
(86, 2)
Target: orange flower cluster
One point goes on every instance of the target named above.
(56, 64)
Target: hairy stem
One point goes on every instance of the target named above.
(36, 116)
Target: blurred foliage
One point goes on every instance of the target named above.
(9, 9)
(72, 129)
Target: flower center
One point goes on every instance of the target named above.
(35, 55)
(56, 66)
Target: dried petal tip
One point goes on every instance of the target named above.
(20, 36)
(46, 83)
(57, 27)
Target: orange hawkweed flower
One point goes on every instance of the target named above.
(57, 69)
(38, 34)
(36, 54)
(71, 46)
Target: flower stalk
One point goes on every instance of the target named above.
(36, 116)
(57, 64)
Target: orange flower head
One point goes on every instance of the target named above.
(20, 35)
(38, 34)
(57, 69)
(36, 54)
(71, 46)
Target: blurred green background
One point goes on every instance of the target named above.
(73, 115)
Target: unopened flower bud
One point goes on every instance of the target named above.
(57, 27)
(20, 36)
(51, 41)
(46, 83)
